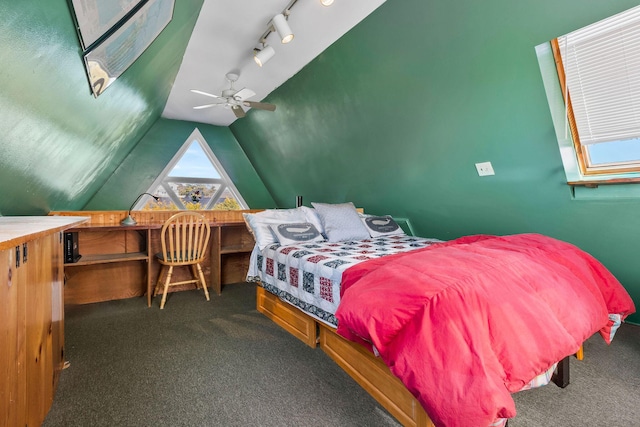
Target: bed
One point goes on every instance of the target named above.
(325, 286)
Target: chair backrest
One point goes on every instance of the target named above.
(185, 237)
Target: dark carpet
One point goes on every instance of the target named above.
(221, 363)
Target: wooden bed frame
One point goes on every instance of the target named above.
(368, 371)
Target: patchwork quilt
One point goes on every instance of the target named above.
(309, 275)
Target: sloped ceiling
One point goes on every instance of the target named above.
(224, 38)
(59, 143)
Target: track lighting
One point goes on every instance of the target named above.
(326, 2)
(282, 27)
(261, 56)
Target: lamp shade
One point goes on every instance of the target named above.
(282, 27)
(326, 2)
(262, 56)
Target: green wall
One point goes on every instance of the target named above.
(395, 114)
(59, 144)
(156, 149)
(393, 117)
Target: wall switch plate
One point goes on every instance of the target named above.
(485, 169)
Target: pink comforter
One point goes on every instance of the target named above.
(466, 323)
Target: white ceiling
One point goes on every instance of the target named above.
(223, 40)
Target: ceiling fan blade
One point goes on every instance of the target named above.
(238, 111)
(243, 94)
(204, 93)
(200, 107)
(260, 105)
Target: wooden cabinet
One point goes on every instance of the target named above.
(231, 249)
(114, 264)
(13, 387)
(31, 317)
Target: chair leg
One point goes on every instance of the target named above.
(159, 282)
(204, 283)
(166, 287)
(194, 273)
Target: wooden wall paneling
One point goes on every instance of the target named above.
(152, 217)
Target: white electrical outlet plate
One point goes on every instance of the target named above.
(485, 169)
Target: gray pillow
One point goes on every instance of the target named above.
(382, 226)
(292, 234)
(341, 221)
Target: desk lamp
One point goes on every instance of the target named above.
(129, 219)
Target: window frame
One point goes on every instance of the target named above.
(164, 179)
(582, 154)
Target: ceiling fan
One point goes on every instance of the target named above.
(234, 99)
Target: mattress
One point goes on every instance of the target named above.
(309, 275)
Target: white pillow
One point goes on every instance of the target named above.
(312, 217)
(294, 233)
(381, 226)
(259, 223)
(341, 221)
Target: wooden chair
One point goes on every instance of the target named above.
(184, 237)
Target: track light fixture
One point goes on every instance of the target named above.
(282, 27)
(261, 56)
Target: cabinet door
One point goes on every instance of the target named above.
(57, 307)
(12, 341)
(39, 345)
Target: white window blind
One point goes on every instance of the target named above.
(602, 68)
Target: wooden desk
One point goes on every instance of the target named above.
(117, 261)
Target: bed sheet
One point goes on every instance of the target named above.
(309, 275)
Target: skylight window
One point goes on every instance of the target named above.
(193, 180)
(599, 70)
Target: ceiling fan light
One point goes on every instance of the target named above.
(326, 2)
(262, 56)
(282, 27)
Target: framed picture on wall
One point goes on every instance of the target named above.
(94, 18)
(112, 56)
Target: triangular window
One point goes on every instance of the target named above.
(193, 180)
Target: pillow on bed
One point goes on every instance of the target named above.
(294, 233)
(381, 226)
(258, 223)
(312, 217)
(341, 221)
